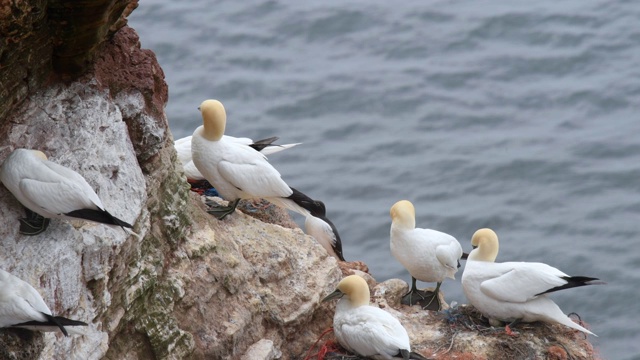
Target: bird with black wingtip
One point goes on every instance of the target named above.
(515, 291)
(183, 149)
(237, 171)
(22, 306)
(49, 190)
(367, 330)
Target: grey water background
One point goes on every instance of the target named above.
(520, 116)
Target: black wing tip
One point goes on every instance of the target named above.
(259, 145)
(305, 201)
(580, 279)
(58, 321)
(122, 223)
(314, 207)
(40, 323)
(99, 216)
(54, 321)
(574, 281)
(69, 322)
(267, 141)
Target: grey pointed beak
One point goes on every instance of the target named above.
(333, 295)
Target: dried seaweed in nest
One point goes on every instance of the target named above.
(329, 350)
(326, 348)
(465, 316)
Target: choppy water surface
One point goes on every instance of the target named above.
(519, 116)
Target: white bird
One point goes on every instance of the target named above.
(322, 229)
(22, 306)
(48, 190)
(428, 255)
(237, 171)
(183, 148)
(366, 330)
(515, 291)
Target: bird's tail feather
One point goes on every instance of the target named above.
(565, 320)
(289, 204)
(272, 149)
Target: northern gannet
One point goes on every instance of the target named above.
(22, 306)
(48, 190)
(515, 291)
(237, 171)
(322, 229)
(183, 149)
(428, 255)
(367, 330)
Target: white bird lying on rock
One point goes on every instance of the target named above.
(322, 229)
(515, 291)
(237, 171)
(428, 255)
(183, 148)
(22, 306)
(367, 330)
(48, 190)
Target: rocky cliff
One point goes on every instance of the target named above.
(75, 84)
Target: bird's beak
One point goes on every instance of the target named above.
(198, 107)
(474, 247)
(464, 256)
(333, 295)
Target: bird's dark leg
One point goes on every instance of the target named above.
(414, 296)
(435, 297)
(405, 354)
(33, 224)
(220, 212)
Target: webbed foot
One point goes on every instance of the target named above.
(33, 224)
(220, 211)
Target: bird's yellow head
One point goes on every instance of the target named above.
(403, 214)
(354, 288)
(485, 245)
(39, 154)
(214, 119)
